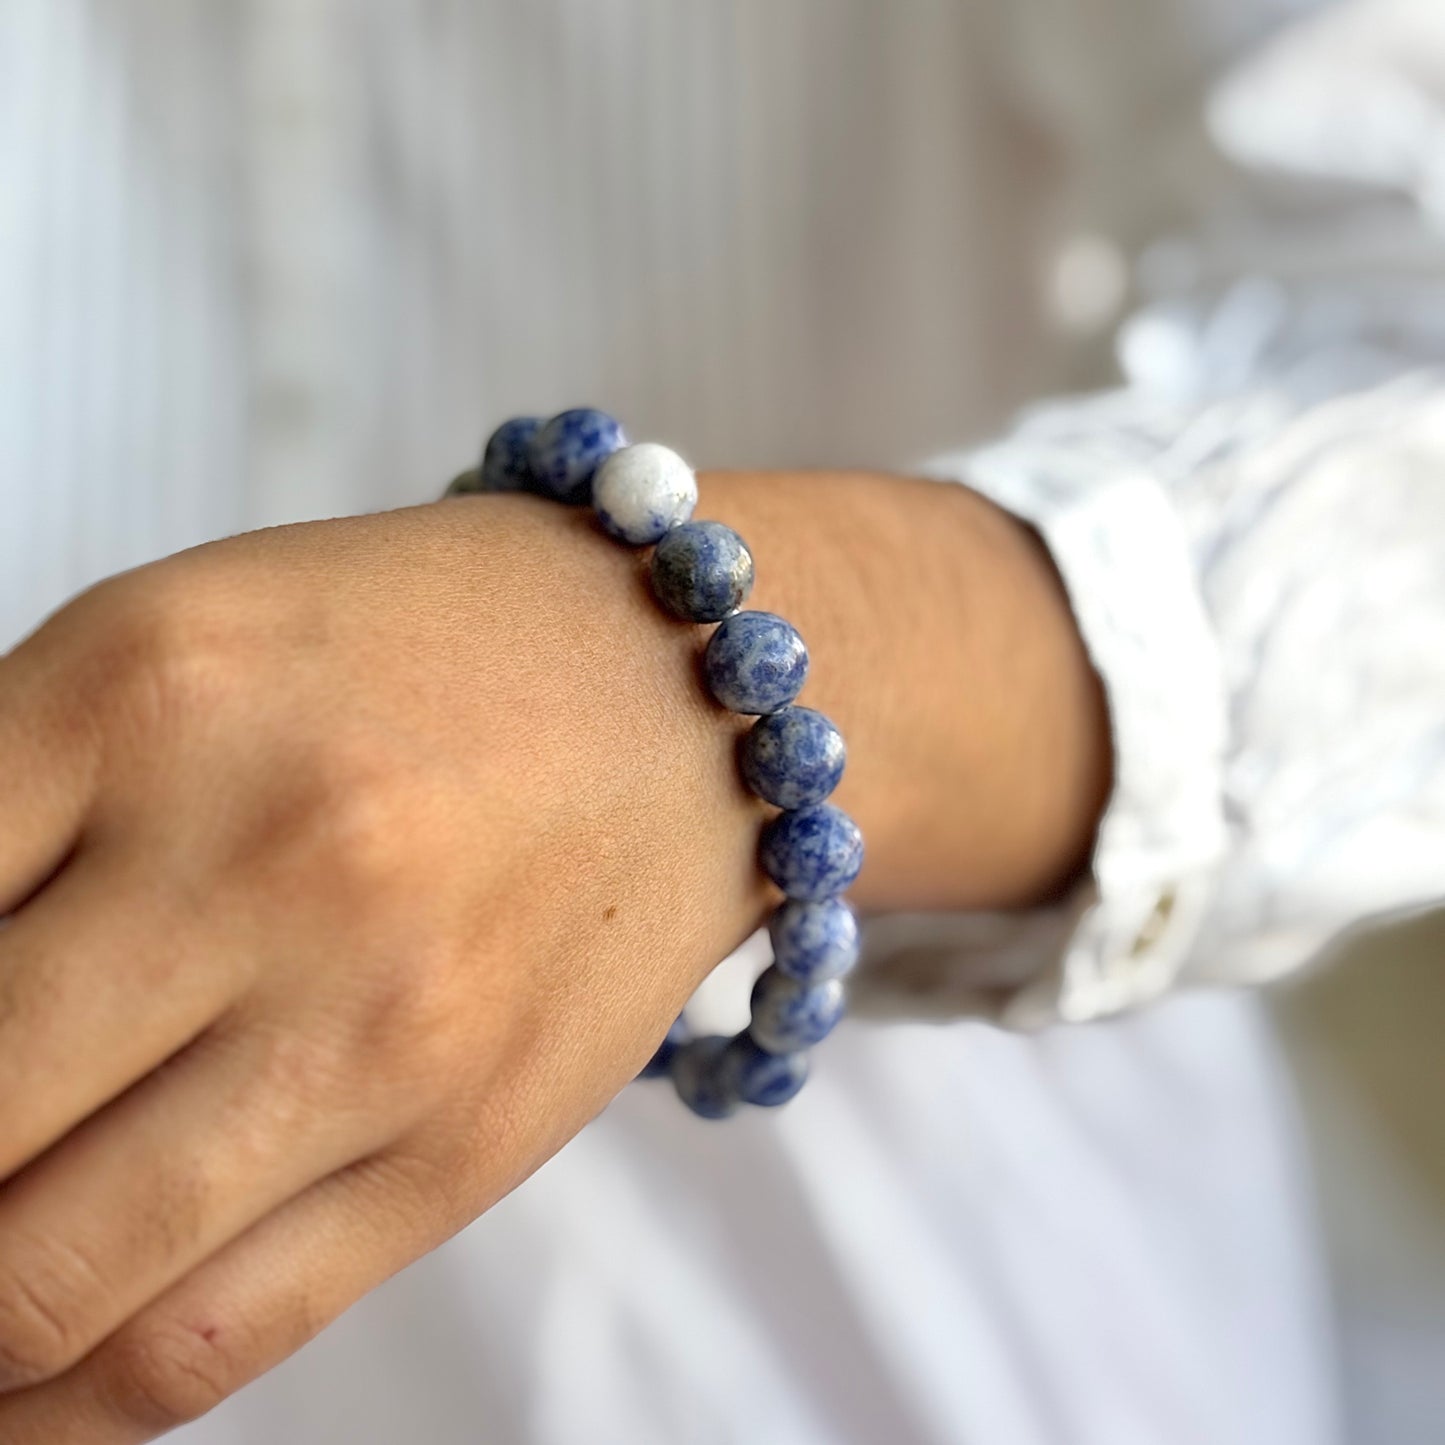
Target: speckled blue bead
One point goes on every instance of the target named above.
(567, 450)
(702, 571)
(765, 1079)
(506, 462)
(705, 1077)
(812, 853)
(814, 941)
(755, 663)
(788, 1015)
(793, 757)
(660, 1063)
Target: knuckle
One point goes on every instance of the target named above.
(162, 1374)
(299, 1076)
(365, 825)
(415, 1018)
(343, 839)
(386, 1054)
(159, 654)
(422, 1194)
(41, 1316)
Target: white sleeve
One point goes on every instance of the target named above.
(1262, 589)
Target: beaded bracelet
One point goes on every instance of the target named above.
(792, 757)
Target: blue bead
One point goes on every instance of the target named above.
(788, 1015)
(793, 757)
(702, 571)
(660, 1063)
(814, 941)
(764, 1079)
(704, 1077)
(506, 463)
(567, 450)
(755, 663)
(812, 853)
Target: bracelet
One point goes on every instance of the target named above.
(755, 663)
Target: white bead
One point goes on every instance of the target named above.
(643, 491)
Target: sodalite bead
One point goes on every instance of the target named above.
(702, 571)
(812, 853)
(788, 1015)
(506, 464)
(705, 1077)
(765, 1079)
(566, 451)
(814, 941)
(793, 757)
(660, 1063)
(755, 663)
(642, 491)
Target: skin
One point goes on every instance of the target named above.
(353, 867)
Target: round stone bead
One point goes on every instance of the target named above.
(704, 1075)
(764, 1079)
(788, 1015)
(566, 451)
(642, 491)
(755, 663)
(812, 853)
(793, 757)
(660, 1064)
(702, 571)
(506, 461)
(814, 941)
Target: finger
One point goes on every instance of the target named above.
(48, 752)
(149, 1188)
(102, 977)
(243, 1311)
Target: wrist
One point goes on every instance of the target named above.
(943, 644)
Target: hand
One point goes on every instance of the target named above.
(353, 867)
